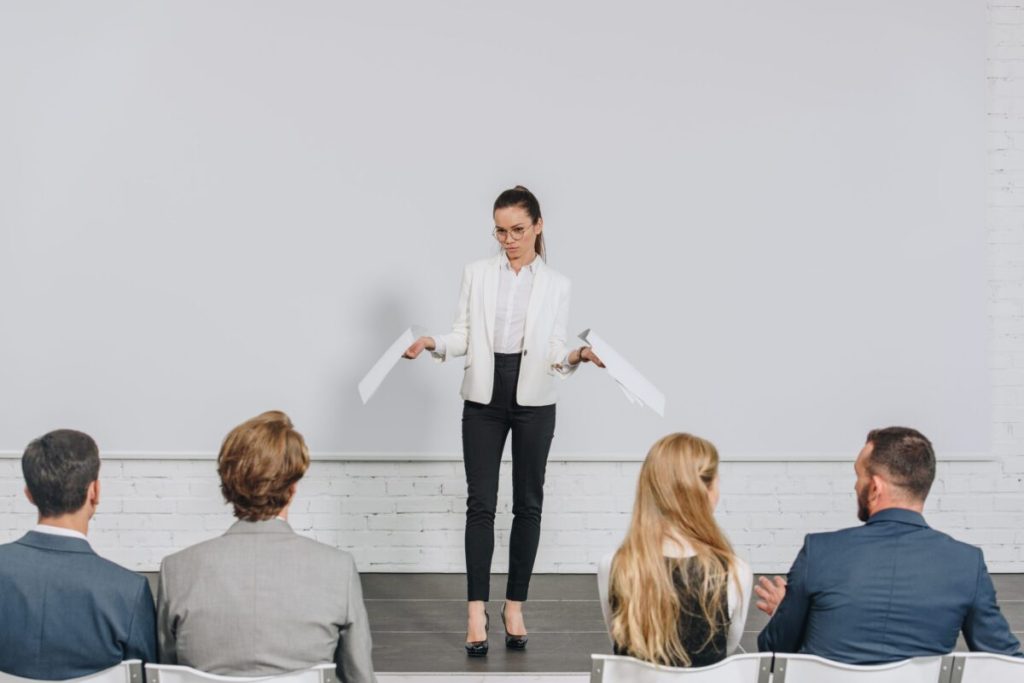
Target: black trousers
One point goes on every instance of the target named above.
(484, 430)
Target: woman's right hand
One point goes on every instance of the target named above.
(418, 346)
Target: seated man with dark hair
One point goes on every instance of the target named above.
(64, 610)
(893, 588)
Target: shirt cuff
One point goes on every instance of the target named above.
(440, 348)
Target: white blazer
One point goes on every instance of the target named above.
(544, 348)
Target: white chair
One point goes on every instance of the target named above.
(167, 673)
(982, 667)
(812, 669)
(126, 672)
(752, 668)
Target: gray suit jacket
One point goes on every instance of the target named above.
(260, 600)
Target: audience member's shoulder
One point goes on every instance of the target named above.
(604, 567)
(743, 570)
(821, 541)
(323, 552)
(951, 545)
(125, 579)
(191, 553)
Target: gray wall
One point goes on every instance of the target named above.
(211, 209)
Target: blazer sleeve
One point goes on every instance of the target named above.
(604, 579)
(985, 627)
(785, 631)
(142, 631)
(456, 342)
(353, 658)
(558, 354)
(166, 638)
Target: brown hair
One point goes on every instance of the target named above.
(258, 463)
(524, 199)
(672, 503)
(906, 456)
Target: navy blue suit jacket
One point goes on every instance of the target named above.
(67, 612)
(888, 590)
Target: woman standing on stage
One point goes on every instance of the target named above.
(511, 327)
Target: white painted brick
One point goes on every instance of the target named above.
(362, 486)
(752, 504)
(143, 505)
(411, 522)
(391, 556)
(804, 503)
(352, 505)
(447, 522)
(201, 506)
(417, 504)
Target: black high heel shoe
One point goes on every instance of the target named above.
(512, 642)
(478, 648)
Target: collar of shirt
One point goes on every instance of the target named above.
(506, 265)
(59, 531)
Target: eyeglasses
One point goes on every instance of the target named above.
(502, 235)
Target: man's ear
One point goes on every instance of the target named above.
(28, 494)
(92, 495)
(879, 488)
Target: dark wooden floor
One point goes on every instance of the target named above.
(419, 622)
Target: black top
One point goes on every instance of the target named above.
(694, 628)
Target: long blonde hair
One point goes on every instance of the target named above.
(672, 503)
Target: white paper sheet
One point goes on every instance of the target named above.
(368, 385)
(636, 387)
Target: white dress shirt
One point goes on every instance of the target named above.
(59, 531)
(513, 298)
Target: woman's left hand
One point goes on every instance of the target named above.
(587, 355)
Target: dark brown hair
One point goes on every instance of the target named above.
(524, 199)
(258, 463)
(906, 456)
(58, 468)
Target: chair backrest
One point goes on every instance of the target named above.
(812, 669)
(752, 668)
(982, 667)
(167, 673)
(129, 671)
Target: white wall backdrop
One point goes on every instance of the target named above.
(777, 211)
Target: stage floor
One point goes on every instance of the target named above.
(419, 622)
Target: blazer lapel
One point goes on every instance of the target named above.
(491, 297)
(537, 294)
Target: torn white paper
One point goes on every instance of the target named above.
(369, 384)
(636, 387)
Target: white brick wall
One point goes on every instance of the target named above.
(408, 516)
(990, 504)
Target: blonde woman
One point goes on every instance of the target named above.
(675, 593)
